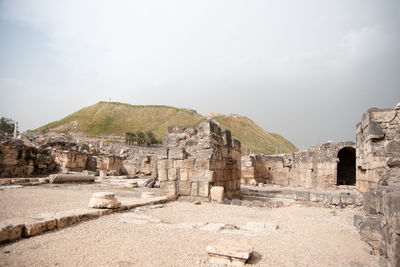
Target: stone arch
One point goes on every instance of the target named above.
(346, 166)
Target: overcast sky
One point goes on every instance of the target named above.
(304, 69)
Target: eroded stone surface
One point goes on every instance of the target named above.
(226, 252)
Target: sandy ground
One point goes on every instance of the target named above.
(31, 201)
(177, 235)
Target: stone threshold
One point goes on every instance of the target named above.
(15, 229)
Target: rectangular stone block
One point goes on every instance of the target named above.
(172, 174)
(204, 189)
(217, 194)
(34, 228)
(184, 164)
(201, 175)
(177, 153)
(162, 174)
(195, 189)
(10, 232)
(183, 175)
(184, 188)
(202, 164)
(162, 154)
(168, 188)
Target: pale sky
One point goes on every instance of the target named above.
(304, 69)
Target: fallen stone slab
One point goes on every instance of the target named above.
(71, 178)
(225, 252)
(104, 200)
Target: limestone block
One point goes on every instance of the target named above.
(168, 188)
(162, 154)
(177, 153)
(226, 252)
(9, 231)
(392, 147)
(35, 228)
(301, 195)
(371, 232)
(162, 175)
(346, 199)
(195, 189)
(172, 174)
(202, 164)
(204, 189)
(67, 220)
(184, 188)
(104, 200)
(184, 164)
(391, 207)
(217, 194)
(316, 197)
(71, 178)
(165, 164)
(183, 175)
(383, 116)
(201, 175)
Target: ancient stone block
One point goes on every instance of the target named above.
(184, 188)
(392, 147)
(183, 174)
(229, 252)
(371, 232)
(172, 174)
(204, 189)
(302, 196)
(346, 198)
(177, 153)
(375, 131)
(316, 197)
(10, 232)
(195, 189)
(184, 164)
(34, 228)
(162, 175)
(168, 188)
(391, 207)
(202, 164)
(217, 194)
(369, 203)
(67, 220)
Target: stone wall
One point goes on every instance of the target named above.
(198, 158)
(314, 168)
(19, 160)
(253, 169)
(378, 176)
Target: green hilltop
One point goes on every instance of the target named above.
(112, 118)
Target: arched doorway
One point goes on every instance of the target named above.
(346, 167)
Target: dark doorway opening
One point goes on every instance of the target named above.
(346, 168)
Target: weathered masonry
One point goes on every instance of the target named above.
(198, 158)
(321, 167)
(378, 175)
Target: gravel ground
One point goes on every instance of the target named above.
(306, 236)
(31, 201)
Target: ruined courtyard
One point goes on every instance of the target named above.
(330, 205)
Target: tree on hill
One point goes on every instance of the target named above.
(150, 138)
(6, 125)
(140, 138)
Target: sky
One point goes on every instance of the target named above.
(306, 69)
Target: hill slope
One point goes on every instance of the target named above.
(105, 118)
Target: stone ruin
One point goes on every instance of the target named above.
(378, 176)
(194, 160)
(199, 158)
(319, 167)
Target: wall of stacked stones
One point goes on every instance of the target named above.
(253, 169)
(378, 176)
(198, 158)
(313, 168)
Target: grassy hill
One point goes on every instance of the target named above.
(105, 118)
